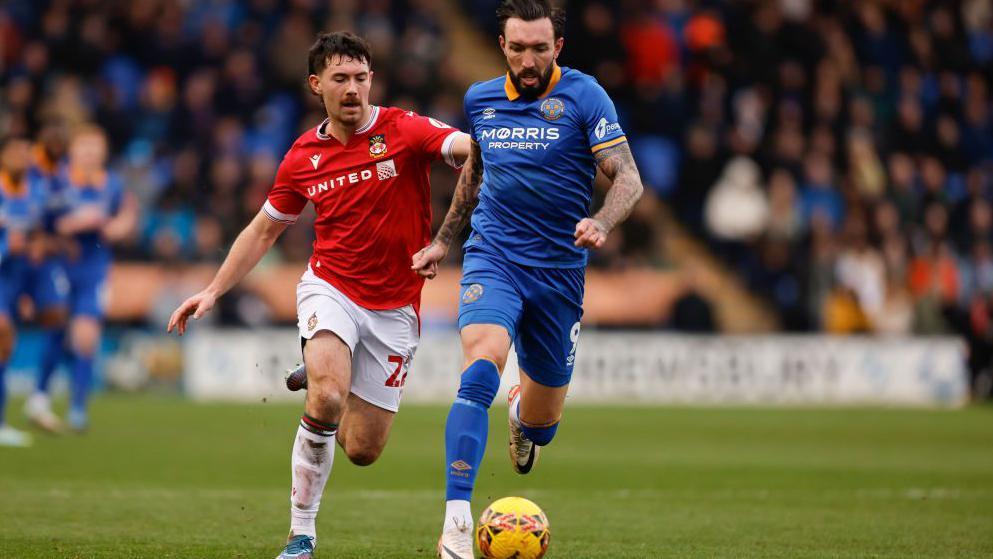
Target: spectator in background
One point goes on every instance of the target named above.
(819, 196)
(737, 209)
(880, 109)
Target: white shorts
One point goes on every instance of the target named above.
(382, 342)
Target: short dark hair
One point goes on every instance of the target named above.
(343, 43)
(530, 10)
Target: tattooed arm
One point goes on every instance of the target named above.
(425, 261)
(617, 164)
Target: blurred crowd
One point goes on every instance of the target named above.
(838, 155)
(201, 99)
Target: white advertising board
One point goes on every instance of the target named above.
(636, 368)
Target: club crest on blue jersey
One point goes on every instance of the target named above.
(377, 146)
(472, 293)
(552, 108)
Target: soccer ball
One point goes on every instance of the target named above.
(513, 528)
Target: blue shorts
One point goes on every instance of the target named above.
(539, 307)
(87, 295)
(45, 284)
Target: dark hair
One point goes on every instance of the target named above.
(530, 10)
(343, 43)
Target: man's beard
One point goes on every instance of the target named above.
(531, 92)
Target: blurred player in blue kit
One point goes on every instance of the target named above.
(48, 158)
(95, 211)
(540, 133)
(27, 267)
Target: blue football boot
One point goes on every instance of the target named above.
(299, 547)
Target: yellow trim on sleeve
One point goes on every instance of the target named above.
(608, 143)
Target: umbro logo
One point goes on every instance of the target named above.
(460, 465)
(314, 159)
(489, 113)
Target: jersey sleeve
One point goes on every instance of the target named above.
(602, 128)
(468, 105)
(430, 137)
(284, 203)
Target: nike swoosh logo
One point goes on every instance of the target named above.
(527, 466)
(450, 553)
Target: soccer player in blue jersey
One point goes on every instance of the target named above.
(96, 213)
(48, 157)
(25, 266)
(539, 135)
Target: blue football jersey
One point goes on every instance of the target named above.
(22, 207)
(105, 196)
(538, 164)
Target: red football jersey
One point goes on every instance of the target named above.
(372, 197)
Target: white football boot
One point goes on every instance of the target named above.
(523, 452)
(12, 437)
(38, 410)
(456, 540)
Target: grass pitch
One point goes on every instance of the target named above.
(162, 478)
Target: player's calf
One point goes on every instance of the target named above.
(465, 442)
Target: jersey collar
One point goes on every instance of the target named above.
(11, 188)
(42, 160)
(373, 117)
(512, 93)
(79, 179)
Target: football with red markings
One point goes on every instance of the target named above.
(513, 527)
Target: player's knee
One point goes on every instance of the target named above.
(325, 403)
(483, 345)
(85, 337)
(540, 435)
(480, 382)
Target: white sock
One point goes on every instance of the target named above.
(458, 514)
(312, 457)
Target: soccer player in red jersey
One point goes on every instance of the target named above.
(365, 169)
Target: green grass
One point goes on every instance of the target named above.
(167, 478)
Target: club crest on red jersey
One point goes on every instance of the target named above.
(377, 146)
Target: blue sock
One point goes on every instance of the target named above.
(51, 358)
(540, 436)
(82, 377)
(3, 392)
(467, 427)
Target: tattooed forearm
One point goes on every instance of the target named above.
(465, 199)
(617, 164)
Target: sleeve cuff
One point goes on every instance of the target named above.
(608, 144)
(446, 150)
(272, 213)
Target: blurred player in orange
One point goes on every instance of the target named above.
(365, 169)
